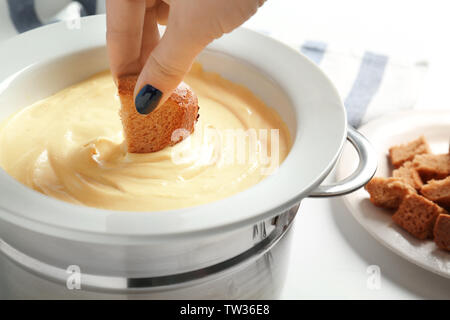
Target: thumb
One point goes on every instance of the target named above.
(164, 69)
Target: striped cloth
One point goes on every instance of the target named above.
(371, 84)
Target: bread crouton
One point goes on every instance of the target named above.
(432, 166)
(442, 232)
(153, 131)
(406, 152)
(408, 174)
(388, 192)
(417, 215)
(438, 191)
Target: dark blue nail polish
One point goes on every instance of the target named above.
(147, 99)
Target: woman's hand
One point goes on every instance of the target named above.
(135, 47)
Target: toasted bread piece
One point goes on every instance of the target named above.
(408, 174)
(438, 191)
(406, 152)
(442, 232)
(388, 192)
(153, 132)
(432, 166)
(417, 215)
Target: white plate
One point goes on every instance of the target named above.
(383, 133)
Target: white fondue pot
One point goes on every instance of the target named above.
(233, 248)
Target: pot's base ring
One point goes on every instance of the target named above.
(100, 283)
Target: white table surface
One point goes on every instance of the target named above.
(331, 251)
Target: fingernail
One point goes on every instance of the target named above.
(147, 99)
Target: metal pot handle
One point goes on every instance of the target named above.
(365, 171)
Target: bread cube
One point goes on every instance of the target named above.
(406, 152)
(442, 232)
(432, 166)
(409, 175)
(438, 191)
(388, 192)
(417, 215)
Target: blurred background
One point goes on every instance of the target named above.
(405, 29)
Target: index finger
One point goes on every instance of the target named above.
(124, 28)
